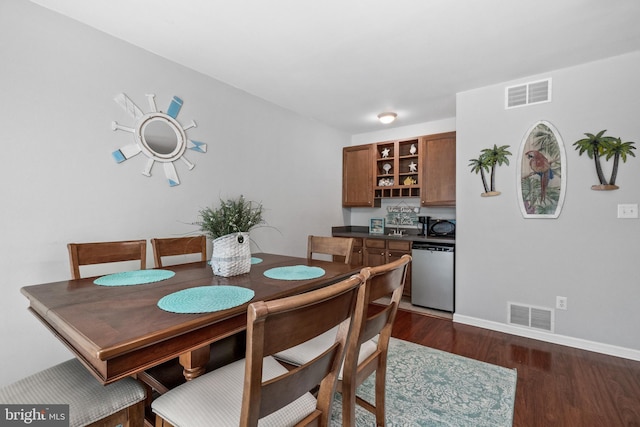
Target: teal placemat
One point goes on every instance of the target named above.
(137, 277)
(205, 299)
(294, 272)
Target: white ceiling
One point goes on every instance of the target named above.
(342, 62)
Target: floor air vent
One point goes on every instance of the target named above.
(528, 93)
(531, 317)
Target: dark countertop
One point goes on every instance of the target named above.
(409, 235)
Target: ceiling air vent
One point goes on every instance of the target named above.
(528, 93)
(531, 317)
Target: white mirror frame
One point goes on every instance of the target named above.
(147, 147)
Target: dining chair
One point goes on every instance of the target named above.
(106, 252)
(336, 246)
(172, 246)
(90, 402)
(260, 388)
(367, 351)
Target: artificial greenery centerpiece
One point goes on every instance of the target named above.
(233, 216)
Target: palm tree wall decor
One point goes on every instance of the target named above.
(486, 162)
(598, 146)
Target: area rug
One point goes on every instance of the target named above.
(428, 387)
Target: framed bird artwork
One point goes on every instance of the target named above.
(542, 172)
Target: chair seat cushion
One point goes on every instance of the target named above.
(71, 383)
(308, 350)
(215, 399)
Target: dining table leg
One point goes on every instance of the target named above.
(194, 363)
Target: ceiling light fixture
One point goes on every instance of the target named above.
(387, 118)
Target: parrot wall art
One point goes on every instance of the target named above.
(540, 166)
(542, 178)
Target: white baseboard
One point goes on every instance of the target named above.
(611, 350)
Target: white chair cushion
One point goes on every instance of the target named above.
(215, 399)
(308, 350)
(71, 383)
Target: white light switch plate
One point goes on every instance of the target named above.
(628, 211)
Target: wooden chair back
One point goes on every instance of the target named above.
(178, 246)
(384, 281)
(106, 252)
(277, 325)
(336, 246)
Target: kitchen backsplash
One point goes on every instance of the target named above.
(361, 216)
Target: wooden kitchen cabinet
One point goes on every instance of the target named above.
(357, 254)
(396, 169)
(423, 167)
(375, 252)
(357, 176)
(383, 251)
(438, 173)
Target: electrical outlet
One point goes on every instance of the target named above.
(561, 303)
(628, 210)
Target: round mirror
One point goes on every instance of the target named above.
(161, 137)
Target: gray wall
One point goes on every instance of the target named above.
(60, 183)
(587, 254)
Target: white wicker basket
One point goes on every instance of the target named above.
(231, 255)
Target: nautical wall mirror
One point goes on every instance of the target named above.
(158, 135)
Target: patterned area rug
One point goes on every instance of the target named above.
(427, 387)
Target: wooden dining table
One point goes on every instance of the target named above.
(118, 331)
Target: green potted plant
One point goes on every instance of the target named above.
(489, 158)
(599, 145)
(228, 227)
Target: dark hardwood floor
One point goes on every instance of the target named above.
(557, 385)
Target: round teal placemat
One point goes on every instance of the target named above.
(294, 272)
(205, 299)
(137, 277)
